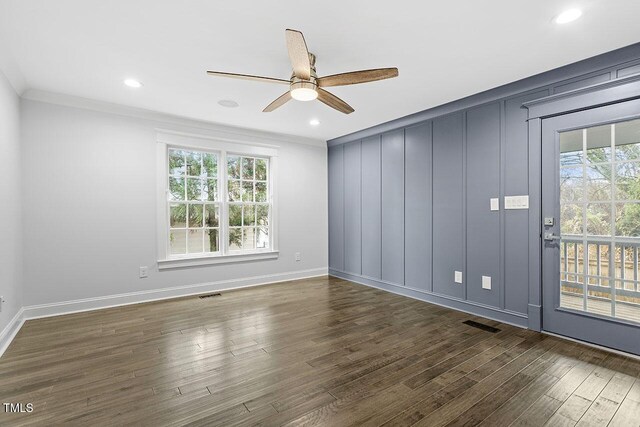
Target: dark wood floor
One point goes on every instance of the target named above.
(318, 351)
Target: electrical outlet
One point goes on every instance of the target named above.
(486, 282)
(2, 301)
(144, 272)
(457, 277)
(298, 256)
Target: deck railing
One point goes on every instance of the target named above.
(600, 268)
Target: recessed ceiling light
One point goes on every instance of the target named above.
(314, 122)
(229, 103)
(133, 83)
(568, 16)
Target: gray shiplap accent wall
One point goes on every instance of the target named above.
(371, 208)
(425, 183)
(352, 209)
(393, 207)
(516, 182)
(448, 196)
(483, 184)
(336, 207)
(417, 204)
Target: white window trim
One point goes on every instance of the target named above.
(166, 139)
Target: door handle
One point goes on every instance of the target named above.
(550, 237)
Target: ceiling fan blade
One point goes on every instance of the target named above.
(334, 102)
(299, 54)
(248, 77)
(356, 77)
(279, 102)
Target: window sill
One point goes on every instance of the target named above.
(165, 264)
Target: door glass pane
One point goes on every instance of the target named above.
(571, 183)
(598, 144)
(599, 177)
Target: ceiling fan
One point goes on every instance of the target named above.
(305, 85)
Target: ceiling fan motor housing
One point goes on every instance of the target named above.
(305, 89)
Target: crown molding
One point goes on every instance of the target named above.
(161, 119)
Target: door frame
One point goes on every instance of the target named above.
(616, 333)
(594, 96)
(598, 95)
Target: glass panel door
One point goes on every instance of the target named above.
(591, 229)
(600, 219)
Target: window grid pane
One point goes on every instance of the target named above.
(249, 207)
(600, 220)
(194, 221)
(194, 202)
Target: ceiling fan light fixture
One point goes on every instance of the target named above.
(303, 91)
(305, 85)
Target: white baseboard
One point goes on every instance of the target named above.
(10, 331)
(97, 303)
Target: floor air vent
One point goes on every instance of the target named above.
(210, 295)
(481, 326)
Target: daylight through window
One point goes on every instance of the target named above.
(215, 209)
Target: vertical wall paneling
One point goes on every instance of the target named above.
(352, 209)
(371, 208)
(336, 207)
(393, 207)
(425, 184)
(501, 211)
(516, 182)
(418, 168)
(482, 184)
(447, 204)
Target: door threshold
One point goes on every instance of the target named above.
(596, 346)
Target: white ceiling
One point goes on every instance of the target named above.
(444, 50)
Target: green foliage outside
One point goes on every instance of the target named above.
(600, 172)
(193, 182)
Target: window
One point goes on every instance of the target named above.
(193, 202)
(248, 196)
(216, 203)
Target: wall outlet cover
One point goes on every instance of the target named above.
(144, 272)
(495, 204)
(298, 256)
(486, 282)
(457, 277)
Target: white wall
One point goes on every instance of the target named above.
(10, 212)
(89, 181)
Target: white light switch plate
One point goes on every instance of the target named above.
(457, 277)
(516, 202)
(495, 204)
(486, 282)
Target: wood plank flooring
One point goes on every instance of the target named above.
(320, 351)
